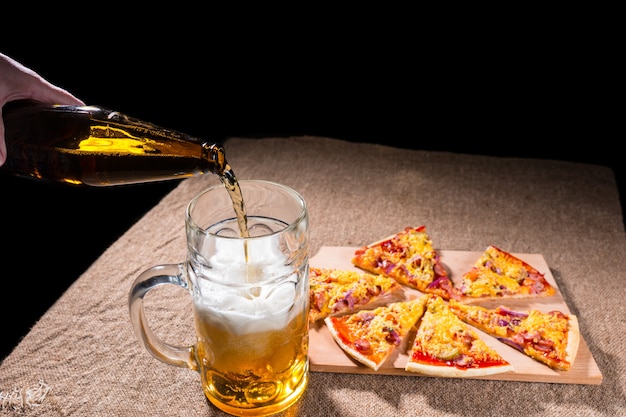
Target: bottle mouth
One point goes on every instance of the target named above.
(214, 155)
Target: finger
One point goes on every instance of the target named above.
(3, 145)
(49, 93)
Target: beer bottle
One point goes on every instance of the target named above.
(93, 146)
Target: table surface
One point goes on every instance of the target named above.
(83, 359)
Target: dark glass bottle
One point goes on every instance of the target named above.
(94, 146)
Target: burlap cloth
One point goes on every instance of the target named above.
(84, 357)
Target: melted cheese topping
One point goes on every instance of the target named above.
(408, 256)
(542, 336)
(484, 282)
(337, 291)
(443, 336)
(497, 273)
(545, 336)
(374, 334)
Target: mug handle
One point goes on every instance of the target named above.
(173, 274)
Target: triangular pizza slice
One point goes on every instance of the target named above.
(551, 338)
(337, 291)
(370, 336)
(445, 346)
(499, 274)
(410, 258)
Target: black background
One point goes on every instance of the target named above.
(547, 99)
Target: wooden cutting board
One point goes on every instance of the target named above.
(326, 356)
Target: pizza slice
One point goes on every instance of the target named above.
(445, 346)
(408, 257)
(370, 336)
(551, 338)
(336, 291)
(499, 274)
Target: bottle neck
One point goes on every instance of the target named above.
(214, 156)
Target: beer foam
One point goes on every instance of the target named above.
(243, 311)
(253, 260)
(264, 305)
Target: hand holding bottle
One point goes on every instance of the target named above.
(18, 82)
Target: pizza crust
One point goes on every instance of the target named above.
(573, 340)
(454, 372)
(501, 298)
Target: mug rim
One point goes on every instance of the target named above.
(298, 197)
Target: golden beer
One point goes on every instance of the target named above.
(242, 372)
(251, 317)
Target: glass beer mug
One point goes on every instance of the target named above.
(250, 298)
